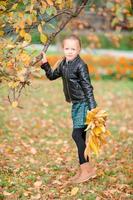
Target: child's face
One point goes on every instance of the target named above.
(71, 49)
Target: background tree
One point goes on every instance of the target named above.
(18, 18)
(105, 22)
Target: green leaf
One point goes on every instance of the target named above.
(119, 14)
(27, 37)
(114, 22)
(110, 5)
(43, 38)
(25, 2)
(51, 10)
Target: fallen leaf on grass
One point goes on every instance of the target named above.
(14, 104)
(38, 196)
(7, 193)
(57, 182)
(74, 191)
(33, 150)
(98, 198)
(37, 184)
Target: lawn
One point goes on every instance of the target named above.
(38, 155)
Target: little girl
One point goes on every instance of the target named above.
(79, 91)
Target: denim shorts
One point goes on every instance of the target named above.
(78, 113)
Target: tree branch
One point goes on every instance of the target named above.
(131, 1)
(61, 27)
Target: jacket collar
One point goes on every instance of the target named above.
(71, 61)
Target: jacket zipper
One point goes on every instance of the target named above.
(67, 86)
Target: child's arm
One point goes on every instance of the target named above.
(86, 85)
(51, 74)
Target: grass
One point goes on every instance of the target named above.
(38, 155)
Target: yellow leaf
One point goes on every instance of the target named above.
(44, 5)
(40, 28)
(50, 2)
(95, 119)
(107, 132)
(13, 84)
(74, 191)
(26, 60)
(22, 24)
(14, 104)
(10, 14)
(27, 37)
(61, 6)
(43, 38)
(102, 127)
(21, 78)
(31, 8)
(14, 6)
(97, 131)
(10, 84)
(58, 1)
(10, 46)
(24, 70)
(16, 83)
(69, 3)
(3, 3)
(96, 141)
(20, 14)
(93, 145)
(102, 113)
(22, 33)
(2, 108)
(29, 20)
(102, 140)
(33, 2)
(1, 33)
(42, 22)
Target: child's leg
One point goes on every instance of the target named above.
(84, 134)
(86, 170)
(79, 136)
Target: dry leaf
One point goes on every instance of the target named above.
(33, 150)
(40, 28)
(37, 184)
(7, 193)
(43, 38)
(27, 37)
(14, 104)
(74, 191)
(38, 196)
(95, 119)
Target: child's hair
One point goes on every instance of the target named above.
(73, 37)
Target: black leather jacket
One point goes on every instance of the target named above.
(76, 80)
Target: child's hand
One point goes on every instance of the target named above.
(44, 59)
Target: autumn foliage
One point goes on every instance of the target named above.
(18, 20)
(99, 66)
(96, 125)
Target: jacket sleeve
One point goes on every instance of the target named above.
(85, 83)
(50, 73)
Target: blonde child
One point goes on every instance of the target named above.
(78, 90)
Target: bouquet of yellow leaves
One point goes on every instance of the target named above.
(95, 119)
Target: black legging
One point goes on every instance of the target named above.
(79, 136)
